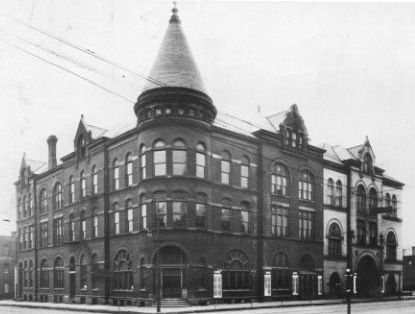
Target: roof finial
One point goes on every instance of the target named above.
(174, 18)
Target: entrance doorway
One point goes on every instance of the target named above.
(72, 278)
(308, 277)
(367, 277)
(335, 285)
(391, 285)
(173, 272)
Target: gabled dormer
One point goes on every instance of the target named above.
(365, 155)
(24, 172)
(290, 124)
(82, 139)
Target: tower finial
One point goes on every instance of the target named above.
(174, 18)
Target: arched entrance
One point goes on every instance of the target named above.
(173, 271)
(367, 277)
(335, 285)
(391, 285)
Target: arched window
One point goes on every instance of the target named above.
(367, 163)
(123, 273)
(391, 247)
(387, 200)
(44, 274)
(373, 201)
(335, 240)
(244, 217)
(200, 161)
(179, 156)
(57, 196)
(81, 146)
(95, 223)
(30, 205)
(159, 158)
(361, 200)
(94, 271)
(71, 190)
(115, 174)
(58, 273)
(71, 228)
(281, 274)
(128, 170)
(339, 193)
(83, 273)
(306, 186)
(129, 215)
(179, 208)
(245, 172)
(143, 163)
(160, 206)
(279, 184)
(226, 214)
(82, 225)
(43, 201)
(24, 202)
(394, 206)
(94, 180)
(25, 273)
(143, 212)
(236, 273)
(83, 183)
(225, 168)
(330, 191)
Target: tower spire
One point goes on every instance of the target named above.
(174, 17)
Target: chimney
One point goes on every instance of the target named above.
(413, 251)
(52, 151)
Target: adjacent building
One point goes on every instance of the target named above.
(182, 194)
(7, 266)
(353, 180)
(409, 271)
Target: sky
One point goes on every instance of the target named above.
(350, 68)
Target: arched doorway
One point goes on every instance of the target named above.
(367, 277)
(335, 285)
(173, 271)
(391, 285)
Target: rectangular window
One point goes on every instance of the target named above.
(71, 192)
(226, 219)
(95, 183)
(143, 166)
(306, 225)
(44, 234)
(361, 232)
(58, 231)
(200, 165)
(130, 220)
(160, 163)
(225, 167)
(143, 216)
(279, 221)
(72, 235)
(244, 176)
(116, 177)
(83, 187)
(117, 222)
(179, 213)
(200, 215)
(6, 288)
(83, 229)
(32, 236)
(244, 221)
(161, 208)
(179, 162)
(95, 226)
(129, 173)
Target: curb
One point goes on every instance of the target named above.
(190, 311)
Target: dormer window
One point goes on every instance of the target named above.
(367, 163)
(81, 146)
(294, 140)
(287, 137)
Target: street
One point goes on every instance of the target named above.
(405, 307)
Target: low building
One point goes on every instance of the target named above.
(7, 266)
(409, 271)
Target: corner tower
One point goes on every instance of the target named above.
(174, 87)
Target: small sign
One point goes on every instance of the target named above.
(217, 284)
(382, 280)
(295, 283)
(319, 285)
(354, 283)
(267, 284)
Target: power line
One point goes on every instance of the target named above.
(90, 52)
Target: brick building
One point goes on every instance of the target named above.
(7, 265)
(186, 187)
(409, 271)
(352, 179)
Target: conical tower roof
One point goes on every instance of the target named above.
(174, 65)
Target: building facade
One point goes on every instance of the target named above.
(185, 193)
(7, 266)
(353, 180)
(409, 271)
(181, 189)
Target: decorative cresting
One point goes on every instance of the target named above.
(174, 87)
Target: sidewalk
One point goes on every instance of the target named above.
(181, 310)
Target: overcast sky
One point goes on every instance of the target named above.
(350, 67)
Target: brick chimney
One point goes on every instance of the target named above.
(52, 151)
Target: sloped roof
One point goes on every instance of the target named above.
(290, 118)
(96, 131)
(174, 65)
(37, 166)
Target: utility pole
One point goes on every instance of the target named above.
(349, 270)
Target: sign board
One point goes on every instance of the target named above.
(382, 281)
(217, 284)
(295, 283)
(267, 284)
(319, 285)
(354, 283)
